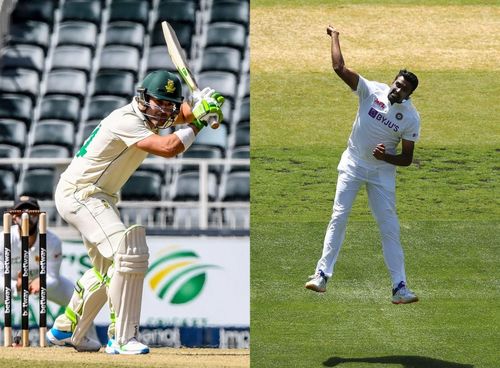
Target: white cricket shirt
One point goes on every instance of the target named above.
(108, 157)
(378, 121)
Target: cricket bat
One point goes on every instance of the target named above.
(175, 52)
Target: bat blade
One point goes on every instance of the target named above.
(176, 54)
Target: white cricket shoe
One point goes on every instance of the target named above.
(402, 295)
(132, 347)
(63, 338)
(317, 282)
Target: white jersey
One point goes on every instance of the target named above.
(379, 121)
(108, 157)
(54, 258)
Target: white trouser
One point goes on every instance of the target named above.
(382, 201)
(98, 221)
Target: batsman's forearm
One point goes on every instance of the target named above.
(337, 58)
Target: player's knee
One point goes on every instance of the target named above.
(339, 218)
(389, 228)
(132, 255)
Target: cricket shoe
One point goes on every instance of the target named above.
(132, 347)
(317, 282)
(402, 295)
(63, 338)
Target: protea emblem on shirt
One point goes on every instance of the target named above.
(170, 86)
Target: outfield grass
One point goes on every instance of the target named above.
(447, 200)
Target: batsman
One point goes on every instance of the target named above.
(86, 197)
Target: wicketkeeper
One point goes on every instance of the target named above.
(86, 197)
(386, 117)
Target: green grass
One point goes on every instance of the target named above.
(450, 224)
(453, 273)
(289, 3)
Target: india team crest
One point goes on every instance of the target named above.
(170, 86)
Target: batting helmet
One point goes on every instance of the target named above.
(163, 85)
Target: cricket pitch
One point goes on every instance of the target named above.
(56, 357)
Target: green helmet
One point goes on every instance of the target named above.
(163, 85)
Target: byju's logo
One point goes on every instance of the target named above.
(178, 277)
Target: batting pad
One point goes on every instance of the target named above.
(127, 279)
(87, 300)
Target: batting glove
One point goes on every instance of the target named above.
(207, 110)
(197, 96)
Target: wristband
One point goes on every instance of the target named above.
(199, 124)
(186, 136)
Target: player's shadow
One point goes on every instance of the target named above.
(405, 361)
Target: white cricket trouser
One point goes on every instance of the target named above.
(98, 221)
(382, 199)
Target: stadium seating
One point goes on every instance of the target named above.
(221, 59)
(230, 11)
(125, 33)
(9, 151)
(66, 64)
(245, 81)
(20, 81)
(142, 186)
(138, 216)
(17, 107)
(101, 106)
(186, 187)
(242, 137)
(122, 58)
(236, 218)
(13, 132)
(38, 183)
(34, 10)
(72, 57)
(213, 138)
(159, 59)
(241, 152)
(202, 152)
(78, 33)
(7, 184)
(183, 31)
(69, 82)
(88, 11)
(47, 151)
(227, 35)
(244, 111)
(30, 32)
(236, 187)
(54, 132)
(116, 83)
(223, 82)
(189, 218)
(23, 56)
(60, 107)
(177, 11)
(132, 11)
(87, 129)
